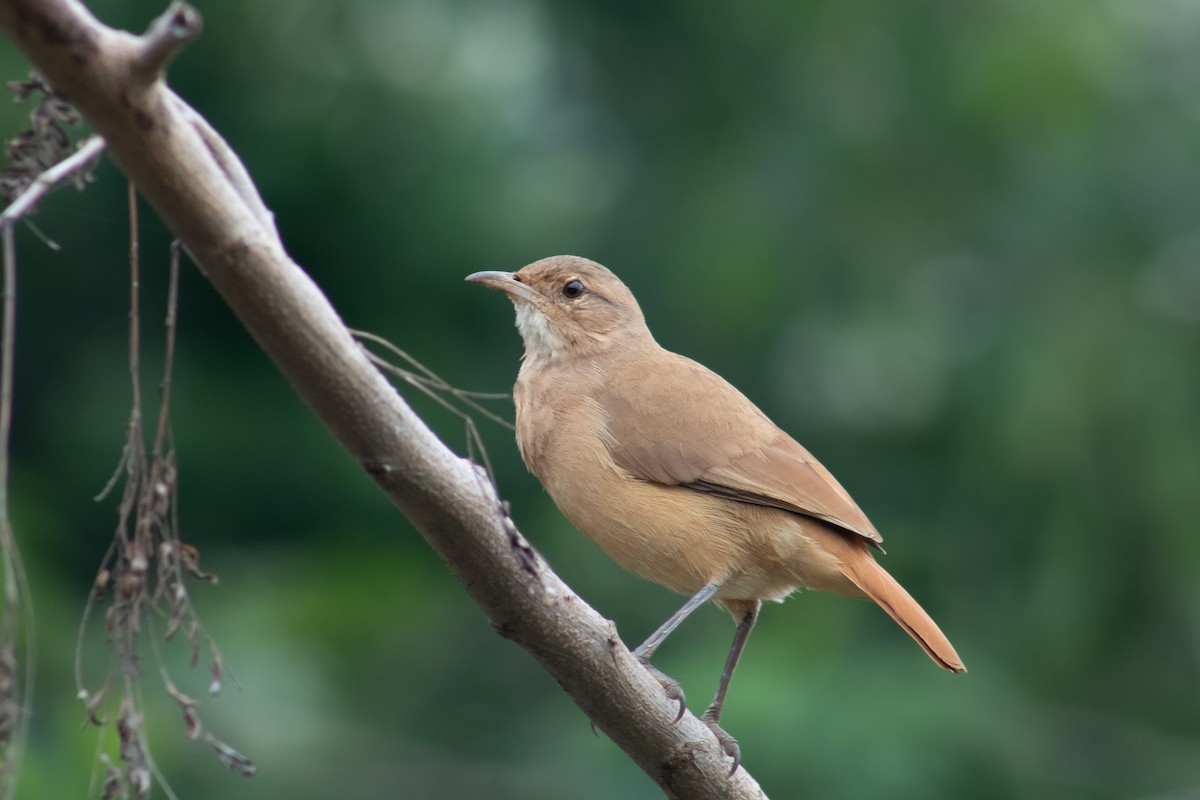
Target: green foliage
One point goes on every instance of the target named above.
(953, 248)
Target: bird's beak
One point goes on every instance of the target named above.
(506, 282)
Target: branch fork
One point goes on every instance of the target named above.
(165, 39)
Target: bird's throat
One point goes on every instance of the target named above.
(542, 344)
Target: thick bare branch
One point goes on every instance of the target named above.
(212, 208)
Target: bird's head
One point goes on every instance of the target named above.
(569, 307)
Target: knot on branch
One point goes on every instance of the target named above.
(165, 39)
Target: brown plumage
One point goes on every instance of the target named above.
(675, 473)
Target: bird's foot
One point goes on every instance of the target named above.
(670, 685)
(728, 743)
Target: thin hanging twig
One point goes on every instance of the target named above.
(144, 574)
(436, 388)
(47, 139)
(17, 647)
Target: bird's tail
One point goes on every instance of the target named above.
(860, 567)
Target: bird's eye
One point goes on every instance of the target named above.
(572, 289)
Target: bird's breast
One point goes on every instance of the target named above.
(671, 535)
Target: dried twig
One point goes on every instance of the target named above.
(437, 388)
(16, 619)
(37, 165)
(34, 150)
(147, 567)
(70, 167)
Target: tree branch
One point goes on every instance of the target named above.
(204, 195)
(89, 150)
(165, 39)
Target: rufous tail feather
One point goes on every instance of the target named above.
(861, 568)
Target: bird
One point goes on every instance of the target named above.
(677, 475)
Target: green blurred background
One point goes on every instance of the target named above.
(954, 248)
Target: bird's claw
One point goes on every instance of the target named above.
(671, 686)
(727, 742)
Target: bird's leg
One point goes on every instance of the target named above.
(713, 715)
(646, 649)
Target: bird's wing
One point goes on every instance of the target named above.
(683, 425)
